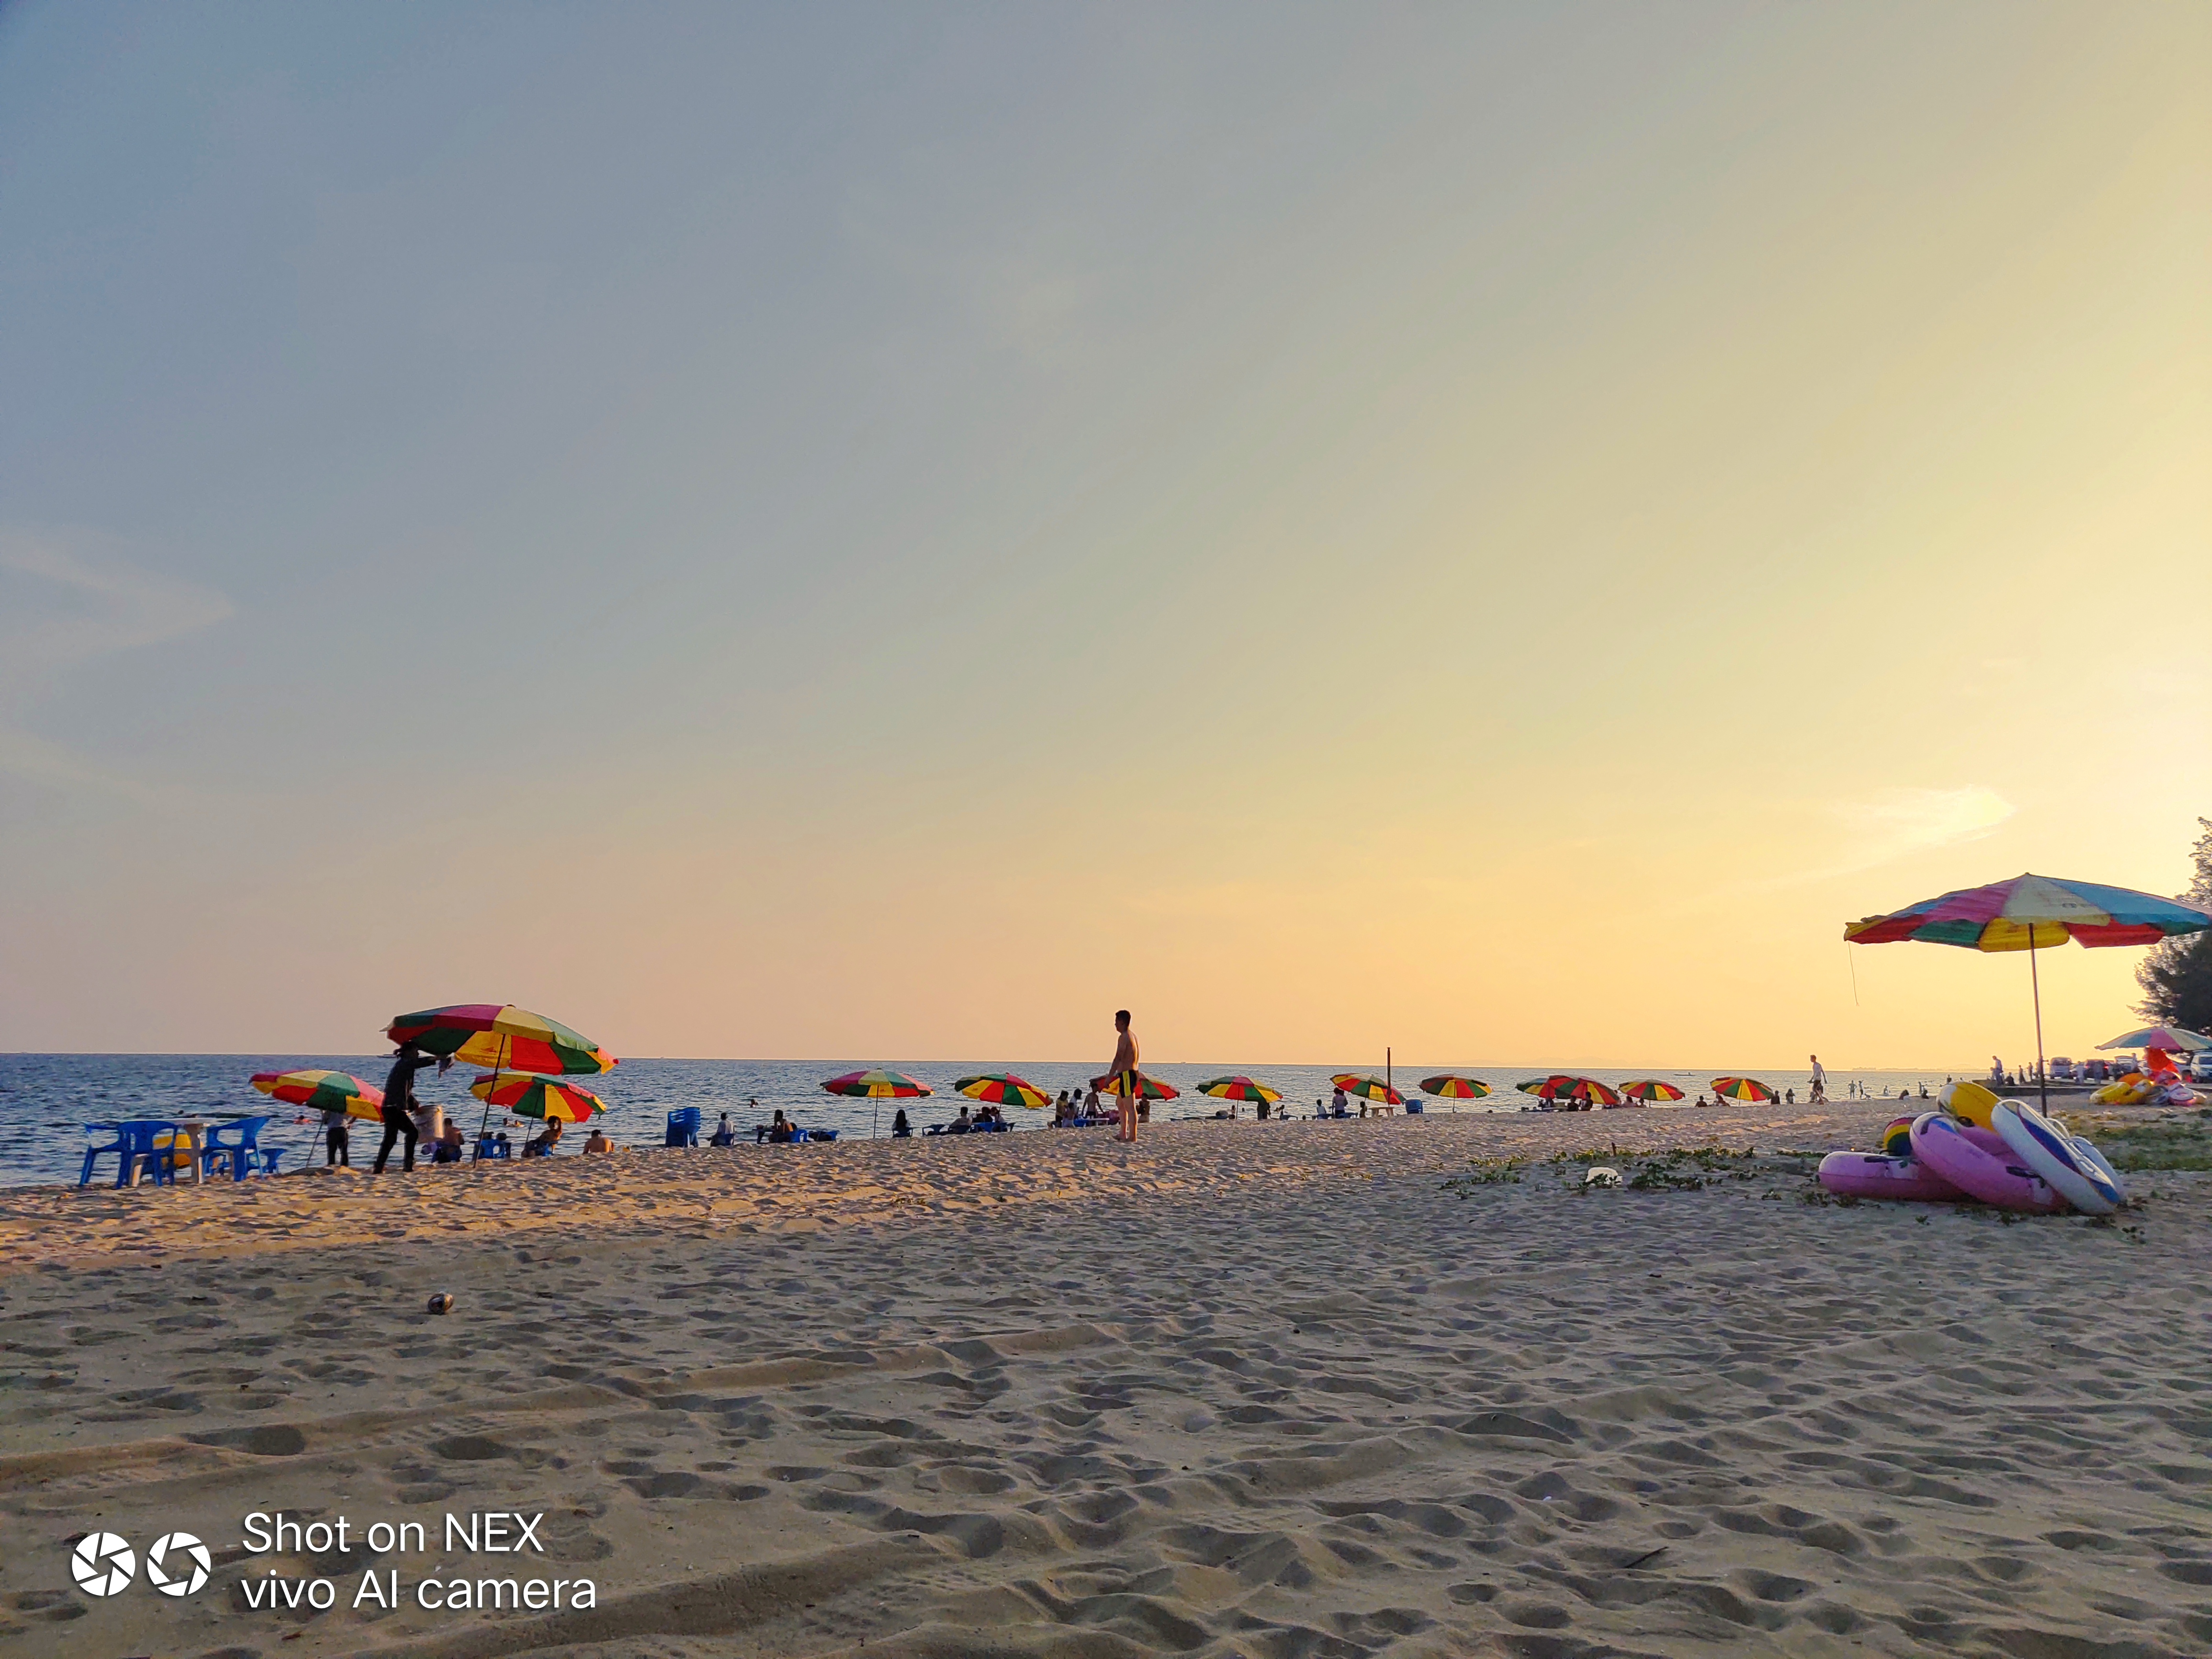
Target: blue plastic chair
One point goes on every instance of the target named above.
(154, 1141)
(244, 1151)
(487, 1147)
(94, 1150)
(682, 1127)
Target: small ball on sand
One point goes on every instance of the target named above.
(442, 1303)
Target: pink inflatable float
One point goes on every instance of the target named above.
(1877, 1175)
(1961, 1156)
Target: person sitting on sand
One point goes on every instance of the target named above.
(542, 1145)
(450, 1143)
(600, 1143)
(902, 1127)
(782, 1131)
(724, 1135)
(960, 1125)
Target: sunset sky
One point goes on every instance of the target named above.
(891, 531)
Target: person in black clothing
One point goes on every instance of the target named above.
(400, 1103)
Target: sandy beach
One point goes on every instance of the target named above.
(1270, 1390)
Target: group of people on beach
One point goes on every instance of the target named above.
(404, 1117)
(407, 1121)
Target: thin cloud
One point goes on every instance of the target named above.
(69, 612)
(90, 611)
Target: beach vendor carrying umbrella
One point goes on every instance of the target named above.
(2032, 913)
(498, 1036)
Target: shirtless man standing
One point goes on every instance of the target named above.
(1120, 1080)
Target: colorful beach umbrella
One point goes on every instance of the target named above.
(1239, 1087)
(2032, 913)
(1590, 1092)
(2171, 1038)
(1368, 1088)
(1449, 1086)
(1741, 1088)
(1004, 1089)
(322, 1091)
(1135, 1085)
(1587, 1090)
(500, 1037)
(878, 1086)
(1651, 1088)
(528, 1094)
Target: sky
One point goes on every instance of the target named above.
(892, 532)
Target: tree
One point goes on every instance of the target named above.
(2176, 976)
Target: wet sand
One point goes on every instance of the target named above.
(1275, 1390)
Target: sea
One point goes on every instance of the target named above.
(47, 1100)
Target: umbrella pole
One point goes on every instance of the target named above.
(488, 1093)
(875, 1114)
(2035, 986)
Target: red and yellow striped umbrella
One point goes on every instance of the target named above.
(1135, 1085)
(1741, 1088)
(1368, 1088)
(501, 1036)
(1558, 1086)
(527, 1094)
(1238, 1087)
(1004, 1089)
(876, 1086)
(1449, 1086)
(1651, 1088)
(323, 1091)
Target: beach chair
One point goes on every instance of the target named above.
(488, 1147)
(153, 1151)
(95, 1148)
(682, 1127)
(240, 1143)
(822, 1134)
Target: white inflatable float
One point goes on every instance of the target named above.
(2081, 1177)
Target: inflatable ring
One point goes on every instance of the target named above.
(1877, 1175)
(1969, 1102)
(1896, 1137)
(2049, 1150)
(1943, 1145)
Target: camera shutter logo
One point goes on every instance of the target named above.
(178, 1565)
(102, 1564)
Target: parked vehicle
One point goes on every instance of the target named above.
(2062, 1070)
(2200, 1067)
(2096, 1071)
